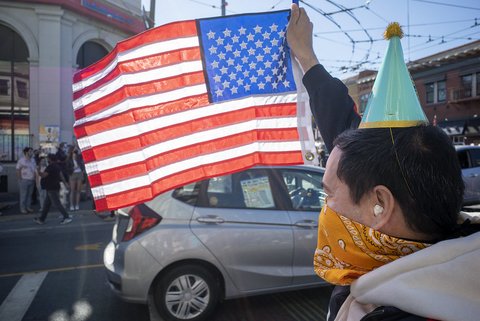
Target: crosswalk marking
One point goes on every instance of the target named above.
(19, 299)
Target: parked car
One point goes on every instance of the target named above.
(247, 233)
(469, 157)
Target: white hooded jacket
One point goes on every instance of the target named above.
(441, 282)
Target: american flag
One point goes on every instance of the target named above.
(187, 101)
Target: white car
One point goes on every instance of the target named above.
(469, 157)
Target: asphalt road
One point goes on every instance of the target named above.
(54, 272)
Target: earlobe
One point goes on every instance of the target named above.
(383, 206)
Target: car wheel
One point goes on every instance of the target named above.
(188, 292)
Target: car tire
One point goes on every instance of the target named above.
(187, 292)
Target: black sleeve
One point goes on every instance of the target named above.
(333, 109)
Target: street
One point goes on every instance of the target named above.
(54, 272)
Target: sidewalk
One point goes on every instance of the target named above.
(9, 206)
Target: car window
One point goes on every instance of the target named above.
(475, 157)
(305, 189)
(247, 189)
(188, 193)
(463, 158)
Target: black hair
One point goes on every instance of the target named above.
(418, 165)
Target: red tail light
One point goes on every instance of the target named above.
(142, 218)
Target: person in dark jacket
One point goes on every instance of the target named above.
(391, 235)
(52, 177)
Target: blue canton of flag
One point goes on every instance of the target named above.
(246, 55)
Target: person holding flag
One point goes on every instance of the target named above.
(391, 235)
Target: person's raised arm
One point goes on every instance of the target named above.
(333, 109)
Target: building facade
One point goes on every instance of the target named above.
(448, 87)
(42, 44)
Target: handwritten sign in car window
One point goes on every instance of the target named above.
(257, 192)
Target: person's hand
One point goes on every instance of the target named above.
(299, 37)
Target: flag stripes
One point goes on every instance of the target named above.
(144, 122)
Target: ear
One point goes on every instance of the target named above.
(383, 206)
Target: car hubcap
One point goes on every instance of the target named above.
(187, 297)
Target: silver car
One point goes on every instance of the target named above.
(469, 157)
(242, 234)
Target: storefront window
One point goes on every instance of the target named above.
(14, 95)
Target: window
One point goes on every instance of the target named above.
(477, 78)
(305, 189)
(441, 91)
(4, 87)
(22, 89)
(475, 157)
(187, 194)
(467, 82)
(430, 92)
(436, 92)
(363, 102)
(247, 189)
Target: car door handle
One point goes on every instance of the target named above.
(307, 224)
(210, 219)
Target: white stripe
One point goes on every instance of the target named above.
(136, 53)
(188, 140)
(137, 78)
(129, 184)
(150, 100)
(181, 117)
(19, 299)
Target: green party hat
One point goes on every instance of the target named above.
(394, 101)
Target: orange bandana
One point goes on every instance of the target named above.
(346, 249)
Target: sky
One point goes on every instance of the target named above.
(349, 41)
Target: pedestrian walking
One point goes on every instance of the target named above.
(40, 182)
(26, 179)
(76, 176)
(52, 177)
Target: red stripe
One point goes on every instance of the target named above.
(182, 128)
(143, 194)
(176, 155)
(143, 64)
(135, 91)
(180, 29)
(140, 114)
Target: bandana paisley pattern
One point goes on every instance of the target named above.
(346, 249)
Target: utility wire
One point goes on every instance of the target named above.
(447, 4)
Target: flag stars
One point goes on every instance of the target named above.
(267, 50)
(261, 85)
(250, 37)
(238, 68)
(258, 43)
(236, 53)
(268, 78)
(225, 84)
(222, 55)
(268, 64)
(235, 39)
(211, 35)
(259, 57)
(212, 49)
(243, 45)
(244, 59)
(232, 76)
(260, 72)
(223, 70)
(257, 29)
(228, 47)
(219, 92)
(220, 41)
(274, 42)
(251, 51)
(227, 32)
(234, 90)
(253, 79)
(247, 87)
(214, 64)
(217, 78)
(230, 62)
(286, 83)
(273, 27)
(252, 65)
(246, 73)
(266, 35)
(242, 30)
(281, 34)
